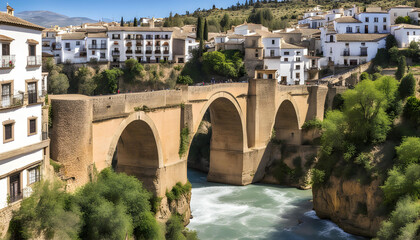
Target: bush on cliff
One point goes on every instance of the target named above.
(115, 206)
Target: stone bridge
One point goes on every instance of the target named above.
(143, 130)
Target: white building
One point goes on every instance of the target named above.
(399, 11)
(145, 44)
(71, 47)
(23, 144)
(405, 34)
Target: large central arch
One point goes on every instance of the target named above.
(136, 150)
(228, 142)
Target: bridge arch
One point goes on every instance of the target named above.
(137, 149)
(228, 141)
(287, 122)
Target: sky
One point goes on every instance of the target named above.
(115, 9)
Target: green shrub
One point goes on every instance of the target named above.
(178, 190)
(187, 80)
(404, 221)
(57, 166)
(409, 151)
(318, 176)
(391, 42)
(174, 228)
(407, 86)
(184, 141)
(401, 183)
(412, 109)
(312, 124)
(364, 76)
(365, 160)
(178, 67)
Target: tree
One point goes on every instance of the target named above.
(87, 85)
(200, 30)
(417, 3)
(407, 86)
(58, 83)
(391, 42)
(135, 22)
(107, 81)
(364, 107)
(388, 86)
(225, 22)
(364, 76)
(412, 109)
(186, 80)
(122, 22)
(409, 151)
(394, 54)
(132, 70)
(401, 68)
(401, 19)
(206, 30)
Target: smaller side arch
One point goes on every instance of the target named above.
(286, 124)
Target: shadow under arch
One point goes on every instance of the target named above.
(136, 150)
(228, 141)
(287, 123)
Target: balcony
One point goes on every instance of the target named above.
(115, 53)
(129, 38)
(139, 37)
(16, 198)
(9, 101)
(97, 46)
(157, 37)
(139, 44)
(148, 51)
(7, 62)
(34, 61)
(129, 52)
(138, 51)
(363, 54)
(165, 37)
(157, 43)
(116, 37)
(166, 52)
(157, 52)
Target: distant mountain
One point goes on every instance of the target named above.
(48, 19)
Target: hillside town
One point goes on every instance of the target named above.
(322, 39)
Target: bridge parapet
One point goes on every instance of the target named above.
(205, 92)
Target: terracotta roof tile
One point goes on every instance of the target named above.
(5, 38)
(8, 19)
(360, 37)
(347, 20)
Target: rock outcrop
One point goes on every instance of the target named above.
(352, 206)
(179, 206)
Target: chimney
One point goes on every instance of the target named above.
(10, 10)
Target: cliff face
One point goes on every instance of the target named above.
(180, 206)
(352, 206)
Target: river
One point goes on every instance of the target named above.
(256, 211)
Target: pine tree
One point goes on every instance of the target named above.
(402, 65)
(246, 3)
(206, 30)
(122, 22)
(135, 22)
(199, 30)
(251, 2)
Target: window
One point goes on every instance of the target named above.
(31, 126)
(298, 59)
(286, 59)
(256, 55)
(32, 96)
(93, 52)
(384, 19)
(376, 29)
(77, 43)
(32, 50)
(273, 42)
(384, 27)
(270, 76)
(102, 55)
(6, 94)
(366, 19)
(376, 19)
(272, 52)
(8, 129)
(331, 38)
(34, 175)
(347, 44)
(67, 45)
(5, 49)
(298, 53)
(330, 49)
(363, 44)
(414, 33)
(349, 29)
(286, 53)
(408, 33)
(357, 29)
(15, 192)
(297, 75)
(297, 67)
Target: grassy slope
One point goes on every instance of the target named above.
(289, 11)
